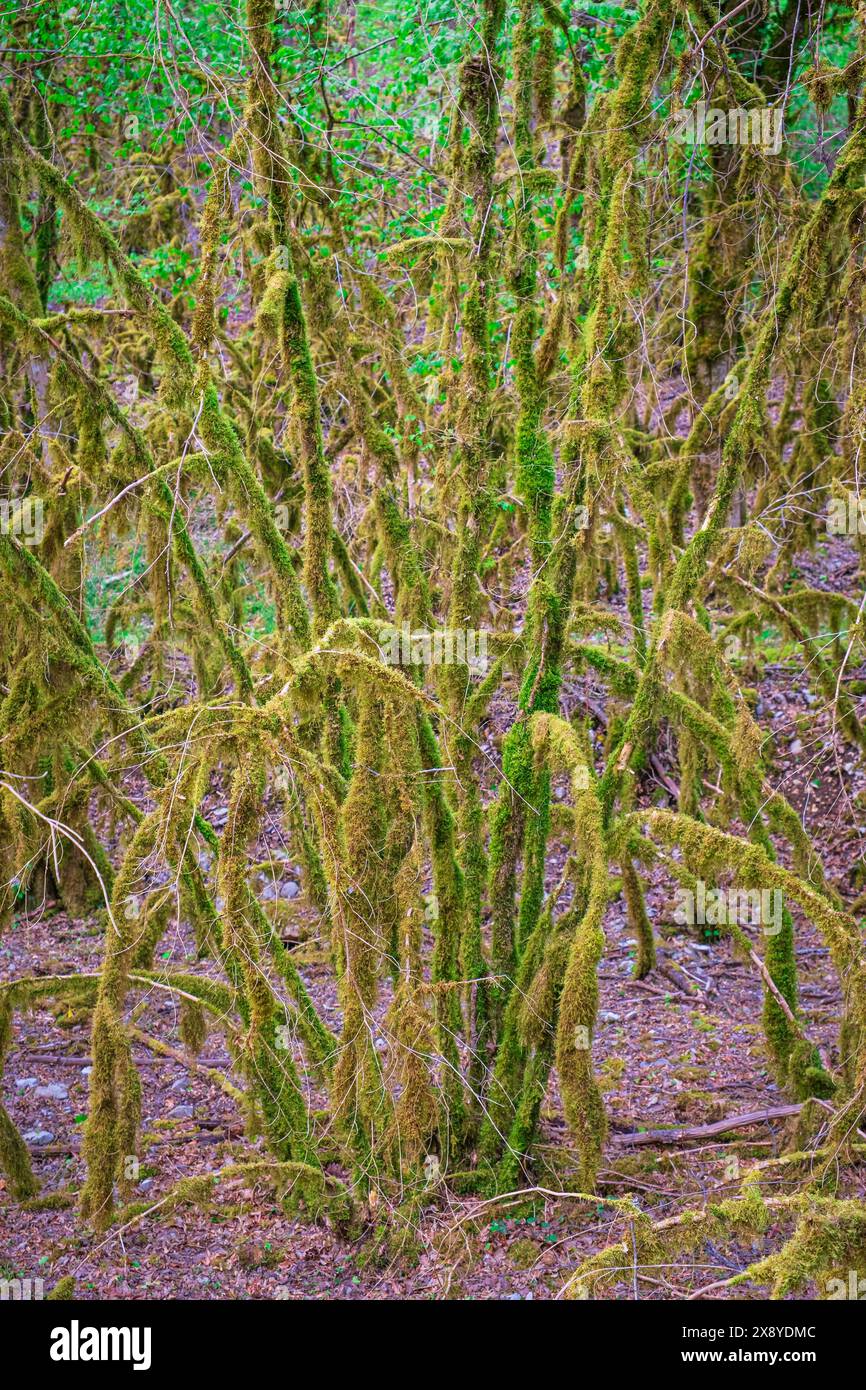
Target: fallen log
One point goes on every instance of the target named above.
(671, 1136)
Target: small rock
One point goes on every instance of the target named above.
(53, 1092)
(26, 1083)
(181, 1112)
(268, 892)
(145, 1184)
(181, 1084)
(38, 1136)
(289, 889)
(796, 746)
(606, 1017)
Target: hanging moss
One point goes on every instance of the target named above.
(14, 1157)
(639, 922)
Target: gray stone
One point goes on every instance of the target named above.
(38, 1136)
(181, 1112)
(53, 1092)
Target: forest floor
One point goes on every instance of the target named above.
(677, 1051)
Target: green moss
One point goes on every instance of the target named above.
(63, 1289)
